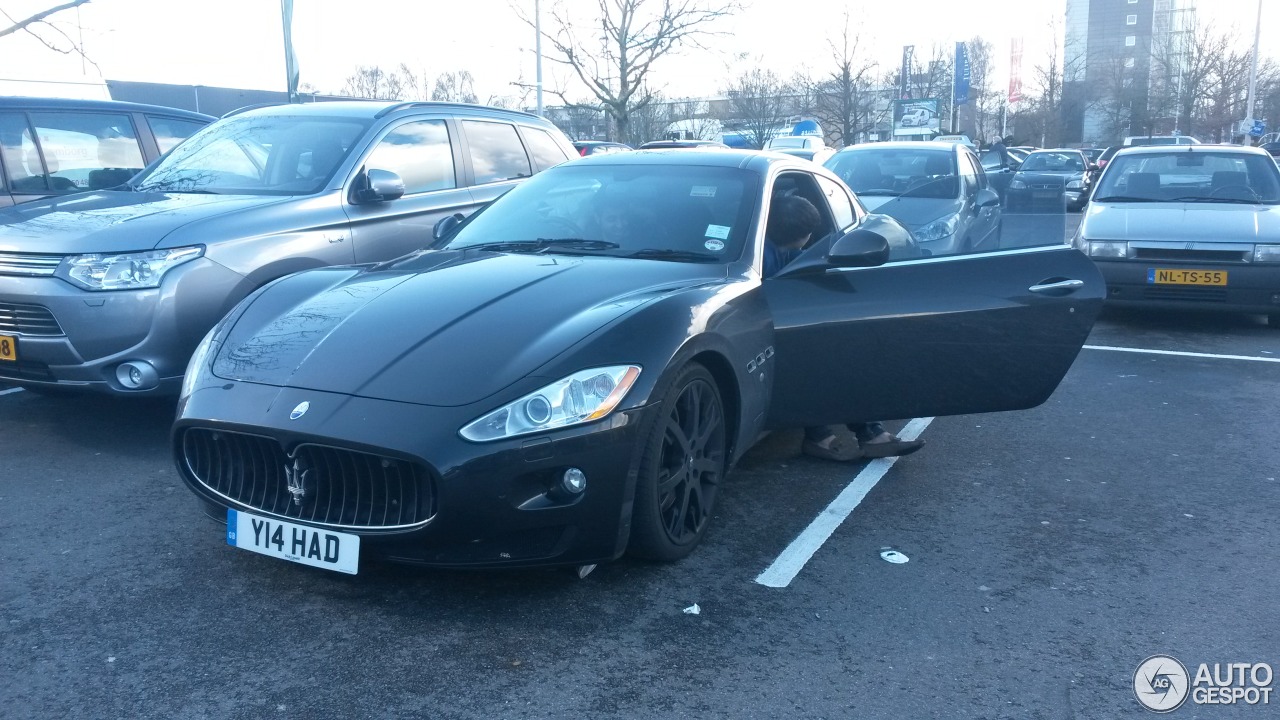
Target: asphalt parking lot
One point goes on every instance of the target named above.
(1050, 551)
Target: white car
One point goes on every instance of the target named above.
(796, 142)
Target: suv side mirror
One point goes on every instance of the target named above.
(379, 186)
(868, 244)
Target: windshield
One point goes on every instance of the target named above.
(1184, 176)
(790, 142)
(1054, 162)
(256, 155)
(664, 212)
(893, 172)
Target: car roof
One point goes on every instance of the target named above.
(753, 160)
(366, 109)
(928, 145)
(1201, 148)
(12, 102)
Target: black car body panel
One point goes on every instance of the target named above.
(393, 364)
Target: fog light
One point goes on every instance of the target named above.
(1275, 298)
(137, 375)
(573, 481)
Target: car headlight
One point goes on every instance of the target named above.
(1266, 253)
(126, 271)
(1075, 185)
(200, 360)
(937, 230)
(1016, 184)
(1109, 249)
(582, 397)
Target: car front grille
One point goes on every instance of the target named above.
(28, 264)
(1193, 294)
(315, 483)
(1180, 255)
(28, 320)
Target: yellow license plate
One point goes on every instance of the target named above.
(8, 348)
(1169, 276)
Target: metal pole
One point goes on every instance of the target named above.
(537, 28)
(1253, 71)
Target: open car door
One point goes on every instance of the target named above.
(928, 335)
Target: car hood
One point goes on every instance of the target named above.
(111, 221)
(446, 328)
(1181, 222)
(914, 212)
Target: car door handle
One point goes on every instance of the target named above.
(1059, 286)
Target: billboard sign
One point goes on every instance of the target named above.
(916, 117)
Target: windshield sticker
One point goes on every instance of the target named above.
(703, 191)
(717, 231)
(714, 245)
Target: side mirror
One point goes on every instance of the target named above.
(986, 198)
(379, 186)
(868, 244)
(447, 225)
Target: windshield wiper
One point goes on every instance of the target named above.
(877, 193)
(1202, 198)
(1126, 198)
(544, 245)
(666, 254)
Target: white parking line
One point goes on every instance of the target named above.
(793, 559)
(1183, 354)
(10, 390)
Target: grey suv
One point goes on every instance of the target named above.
(112, 290)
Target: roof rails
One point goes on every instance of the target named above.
(429, 104)
(255, 106)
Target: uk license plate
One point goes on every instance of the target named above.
(1171, 276)
(8, 348)
(297, 543)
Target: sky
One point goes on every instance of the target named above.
(238, 43)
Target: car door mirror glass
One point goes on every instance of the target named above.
(868, 244)
(987, 198)
(380, 186)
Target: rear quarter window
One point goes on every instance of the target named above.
(546, 152)
(496, 152)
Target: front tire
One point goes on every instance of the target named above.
(682, 466)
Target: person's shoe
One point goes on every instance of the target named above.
(833, 447)
(887, 445)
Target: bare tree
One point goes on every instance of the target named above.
(374, 83)
(455, 87)
(693, 119)
(1117, 93)
(612, 50)
(844, 98)
(758, 104)
(987, 101)
(935, 81)
(1183, 69)
(63, 43)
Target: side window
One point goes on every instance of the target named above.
(977, 170)
(87, 151)
(171, 131)
(21, 157)
(420, 153)
(496, 152)
(838, 199)
(546, 151)
(968, 175)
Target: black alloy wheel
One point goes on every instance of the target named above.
(681, 469)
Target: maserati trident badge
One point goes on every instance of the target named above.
(296, 475)
(299, 411)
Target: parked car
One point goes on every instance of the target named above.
(1196, 228)
(572, 372)
(58, 146)
(1092, 154)
(1138, 140)
(937, 190)
(111, 290)
(682, 144)
(1272, 148)
(795, 142)
(597, 147)
(999, 174)
(962, 139)
(1048, 180)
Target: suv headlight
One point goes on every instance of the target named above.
(1109, 249)
(1266, 253)
(937, 230)
(126, 271)
(582, 397)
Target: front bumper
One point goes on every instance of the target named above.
(160, 326)
(493, 503)
(1249, 288)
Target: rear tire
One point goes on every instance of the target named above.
(681, 468)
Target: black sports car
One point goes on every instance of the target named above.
(571, 372)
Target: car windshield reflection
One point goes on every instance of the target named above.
(1182, 176)
(255, 155)
(927, 173)
(654, 212)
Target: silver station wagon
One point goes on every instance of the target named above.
(112, 290)
(1188, 227)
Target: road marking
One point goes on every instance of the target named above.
(1182, 354)
(792, 560)
(10, 390)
